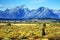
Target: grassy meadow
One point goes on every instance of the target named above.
(30, 31)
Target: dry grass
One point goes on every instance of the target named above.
(29, 31)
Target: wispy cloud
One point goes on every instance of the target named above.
(1, 6)
(4, 7)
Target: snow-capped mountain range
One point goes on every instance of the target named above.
(23, 12)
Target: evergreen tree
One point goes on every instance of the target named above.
(43, 29)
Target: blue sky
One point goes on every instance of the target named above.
(31, 4)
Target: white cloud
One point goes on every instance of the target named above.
(1, 6)
(4, 7)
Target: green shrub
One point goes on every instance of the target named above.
(9, 24)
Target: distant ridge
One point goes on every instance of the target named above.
(22, 12)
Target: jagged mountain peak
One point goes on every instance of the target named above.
(23, 6)
(7, 9)
(22, 11)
